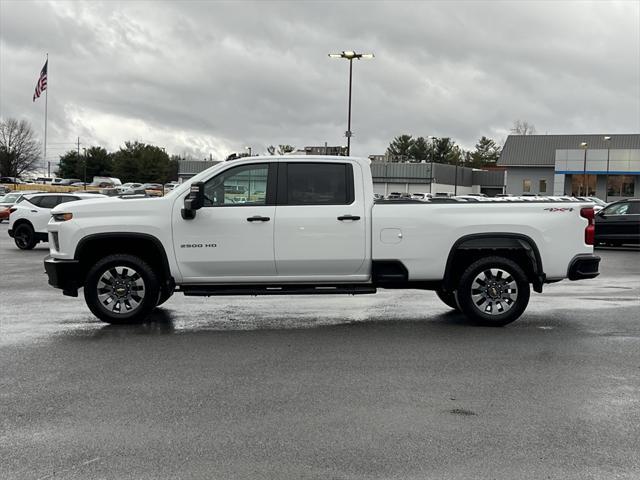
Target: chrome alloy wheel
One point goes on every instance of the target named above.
(120, 290)
(494, 291)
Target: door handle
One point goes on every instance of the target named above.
(348, 217)
(258, 218)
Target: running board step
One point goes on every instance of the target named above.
(207, 290)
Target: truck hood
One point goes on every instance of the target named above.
(104, 207)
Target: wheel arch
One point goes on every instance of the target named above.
(515, 246)
(146, 246)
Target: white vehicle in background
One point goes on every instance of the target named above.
(129, 187)
(31, 214)
(420, 196)
(286, 225)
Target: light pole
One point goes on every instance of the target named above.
(606, 186)
(84, 151)
(350, 55)
(584, 170)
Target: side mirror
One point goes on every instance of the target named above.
(195, 201)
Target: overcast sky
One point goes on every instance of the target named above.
(204, 77)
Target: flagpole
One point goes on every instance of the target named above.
(46, 98)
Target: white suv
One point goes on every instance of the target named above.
(29, 216)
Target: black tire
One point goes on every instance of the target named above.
(121, 282)
(448, 298)
(24, 237)
(163, 296)
(503, 297)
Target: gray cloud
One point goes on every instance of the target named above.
(212, 77)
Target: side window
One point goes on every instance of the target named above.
(634, 208)
(239, 186)
(319, 184)
(620, 209)
(33, 200)
(48, 201)
(66, 199)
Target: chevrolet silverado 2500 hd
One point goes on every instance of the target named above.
(309, 225)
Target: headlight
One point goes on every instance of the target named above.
(62, 217)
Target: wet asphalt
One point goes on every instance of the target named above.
(392, 385)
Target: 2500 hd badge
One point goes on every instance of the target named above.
(199, 245)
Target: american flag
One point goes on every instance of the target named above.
(41, 86)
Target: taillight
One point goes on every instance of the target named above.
(590, 231)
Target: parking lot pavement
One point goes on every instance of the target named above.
(392, 385)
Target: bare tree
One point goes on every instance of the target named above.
(271, 150)
(284, 149)
(19, 151)
(522, 127)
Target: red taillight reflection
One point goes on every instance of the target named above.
(590, 231)
(11, 210)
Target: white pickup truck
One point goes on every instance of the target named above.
(310, 225)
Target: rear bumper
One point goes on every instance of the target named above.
(63, 274)
(583, 267)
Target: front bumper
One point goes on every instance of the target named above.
(583, 267)
(63, 274)
(10, 231)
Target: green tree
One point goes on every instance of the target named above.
(70, 166)
(420, 150)
(99, 163)
(140, 162)
(445, 150)
(486, 153)
(399, 149)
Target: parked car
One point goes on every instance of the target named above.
(29, 217)
(4, 190)
(597, 203)
(420, 196)
(66, 181)
(129, 186)
(13, 180)
(317, 231)
(618, 223)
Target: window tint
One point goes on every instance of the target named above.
(319, 184)
(48, 201)
(66, 199)
(239, 186)
(619, 209)
(33, 200)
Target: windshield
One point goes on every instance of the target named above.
(597, 201)
(11, 197)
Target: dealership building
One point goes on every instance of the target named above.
(603, 165)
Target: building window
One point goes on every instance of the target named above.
(543, 186)
(581, 189)
(621, 186)
(526, 186)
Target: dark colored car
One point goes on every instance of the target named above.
(619, 222)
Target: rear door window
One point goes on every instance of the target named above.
(48, 201)
(66, 199)
(34, 200)
(317, 184)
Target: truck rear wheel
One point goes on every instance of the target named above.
(448, 298)
(121, 289)
(493, 291)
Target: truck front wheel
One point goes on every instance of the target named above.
(493, 291)
(121, 288)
